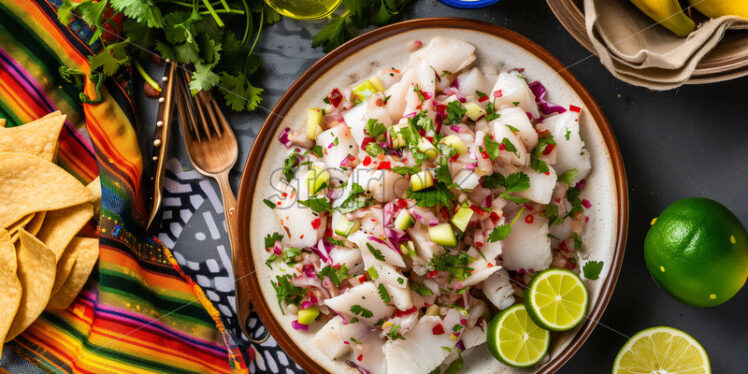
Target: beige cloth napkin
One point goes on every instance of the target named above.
(641, 53)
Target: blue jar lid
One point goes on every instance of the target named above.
(468, 4)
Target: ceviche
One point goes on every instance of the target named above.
(420, 202)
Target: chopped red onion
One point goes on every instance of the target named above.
(455, 91)
(388, 212)
(460, 345)
(394, 235)
(456, 128)
(283, 138)
(410, 115)
(539, 91)
(298, 326)
(307, 304)
(357, 367)
(278, 248)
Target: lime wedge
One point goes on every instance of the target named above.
(514, 339)
(556, 300)
(662, 350)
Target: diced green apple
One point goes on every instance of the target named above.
(308, 315)
(404, 220)
(428, 149)
(314, 122)
(397, 138)
(368, 87)
(442, 234)
(344, 226)
(421, 180)
(455, 142)
(317, 179)
(462, 217)
(474, 111)
(408, 249)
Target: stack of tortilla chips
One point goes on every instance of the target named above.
(43, 262)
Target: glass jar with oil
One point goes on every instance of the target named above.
(304, 9)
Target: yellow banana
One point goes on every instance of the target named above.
(668, 13)
(718, 8)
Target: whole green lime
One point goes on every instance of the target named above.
(697, 251)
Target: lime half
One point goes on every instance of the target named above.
(556, 300)
(662, 350)
(514, 339)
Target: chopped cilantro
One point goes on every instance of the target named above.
(568, 176)
(491, 112)
(480, 94)
(455, 112)
(577, 241)
(516, 103)
(269, 203)
(432, 196)
(494, 180)
(418, 92)
(269, 261)
(316, 203)
(568, 133)
(289, 255)
(551, 212)
(361, 311)
(509, 146)
(374, 149)
(286, 292)
(317, 150)
(502, 232)
(270, 239)
(384, 294)
(491, 146)
(455, 265)
(592, 269)
(336, 275)
(420, 289)
(353, 201)
(539, 165)
(455, 365)
(512, 129)
(442, 173)
(400, 280)
(289, 164)
(393, 333)
(334, 241)
(375, 129)
(375, 252)
(406, 170)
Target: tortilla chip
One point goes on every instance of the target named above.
(95, 188)
(38, 138)
(88, 254)
(10, 297)
(66, 262)
(35, 224)
(13, 227)
(29, 184)
(36, 271)
(60, 226)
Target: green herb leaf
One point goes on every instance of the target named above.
(494, 180)
(455, 112)
(491, 146)
(384, 294)
(393, 333)
(455, 265)
(491, 112)
(361, 311)
(432, 196)
(420, 289)
(539, 165)
(375, 252)
(353, 201)
(592, 269)
(406, 170)
(372, 272)
(509, 146)
(270, 239)
(336, 275)
(375, 129)
(289, 165)
(269, 261)
(568, 176)
(289, 255)
(318, 204)
(286, 291)
(500, 232)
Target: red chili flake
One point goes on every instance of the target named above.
(482, 99)
(586, 203)
(575, 108)
(336, 266)
(502, 147)
(463, 322)
(441, 108)
(570, 265)
(316, 223)
(445, 213)
(484, 154)
(547, 173)
(396, 71)
(384, 165)
(335, 97)
(529, 218)
(543, 134)
(548, 149)
(454, 158)
(301, 236)
(478, 244)
(422, 132)
(366, 141)
(438, 329)
(562, 246)
(494, 217)
(400, 313)
(278, 203)
(401, 203)
(284, 194)
(378, 102)
(362, 278)
(360, 357)
(476, 209)
(430, 139)
(490, 265)
(367, 161)
(404, 160)
(497, 93)
(432, 273)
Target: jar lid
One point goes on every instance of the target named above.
(468, 4)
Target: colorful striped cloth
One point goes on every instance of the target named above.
(139, 312)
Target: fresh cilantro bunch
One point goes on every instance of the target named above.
(191, 32)
(359, 15)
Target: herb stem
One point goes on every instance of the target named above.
(224, 11)
(517, 216)
(259, 31)
(212, 12)
(225, 5)
(151, 82)
(248, 23)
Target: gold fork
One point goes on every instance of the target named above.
(212, 149)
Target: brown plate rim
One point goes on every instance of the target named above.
(727, 68)
(269, 127)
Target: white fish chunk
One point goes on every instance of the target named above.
(570, 148)
(364, 295)
(513, 89)
(331, 338)
(443, 53)
(498, 289)
(473, 80)
(528, 247)
(337, 143)
(517, 118)
(541, 185)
